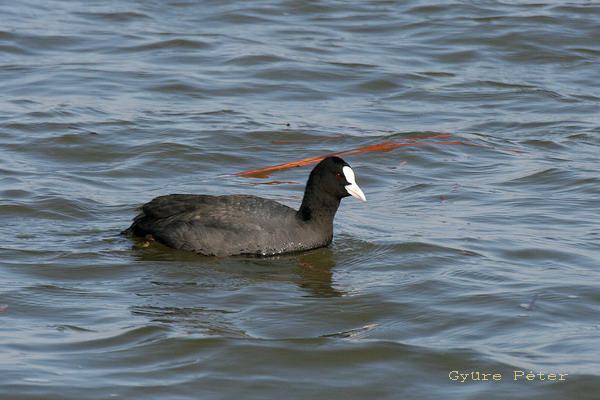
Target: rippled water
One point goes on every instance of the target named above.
(480, 256)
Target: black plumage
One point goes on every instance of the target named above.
(249, 225)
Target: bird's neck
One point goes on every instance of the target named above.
(318, 207)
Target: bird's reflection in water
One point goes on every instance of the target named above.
(315, 270)
(197, 294)
(311, 270)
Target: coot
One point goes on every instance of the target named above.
(250, 225)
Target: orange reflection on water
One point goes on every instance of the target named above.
(378, 147)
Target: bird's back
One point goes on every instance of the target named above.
(226, 225)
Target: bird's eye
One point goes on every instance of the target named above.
(338, 176)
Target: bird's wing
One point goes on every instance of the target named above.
(212, 224)
(172, 204)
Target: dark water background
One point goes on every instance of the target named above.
(480, 258)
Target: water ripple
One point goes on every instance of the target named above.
(476, 251)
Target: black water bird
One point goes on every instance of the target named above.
(250, 225)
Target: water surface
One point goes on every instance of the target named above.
(480, 257)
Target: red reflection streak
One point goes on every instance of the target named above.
(379, 147)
